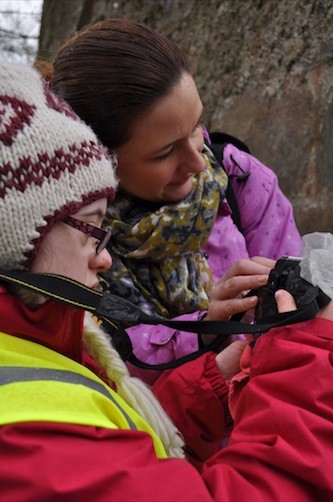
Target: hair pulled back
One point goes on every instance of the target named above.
(115, 70)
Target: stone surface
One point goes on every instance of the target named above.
(264, 69)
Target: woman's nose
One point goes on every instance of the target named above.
(197, 162)
(193, 160)
(101, 262)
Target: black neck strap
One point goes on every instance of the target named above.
(110, 308)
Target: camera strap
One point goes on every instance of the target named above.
(110, 308)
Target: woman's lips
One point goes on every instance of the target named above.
(181, 182)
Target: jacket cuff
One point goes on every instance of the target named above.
(216, 380)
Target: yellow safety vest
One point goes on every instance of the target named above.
(38, 384)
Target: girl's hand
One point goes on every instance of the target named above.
(326, 312)
(285, 301)
(228, 360)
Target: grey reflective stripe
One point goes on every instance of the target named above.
(15, 374)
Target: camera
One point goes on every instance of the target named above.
(286, 275)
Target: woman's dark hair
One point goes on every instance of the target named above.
(115, 70)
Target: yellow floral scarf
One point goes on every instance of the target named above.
(157, 263)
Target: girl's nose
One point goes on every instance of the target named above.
(101, 262)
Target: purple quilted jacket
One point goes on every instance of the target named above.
(269, 230)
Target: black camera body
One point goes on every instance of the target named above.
(286, 275)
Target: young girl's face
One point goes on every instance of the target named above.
(164, 152)
(69, 252)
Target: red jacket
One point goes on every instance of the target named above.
(280, 449)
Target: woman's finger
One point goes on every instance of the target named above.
(231, 288)
(253, 266)
(223, 310)
(265, 262)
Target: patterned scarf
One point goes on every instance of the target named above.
(157, 263)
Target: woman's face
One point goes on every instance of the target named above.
(163, 153)
(69, 252)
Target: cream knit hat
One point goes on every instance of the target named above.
(51, 164)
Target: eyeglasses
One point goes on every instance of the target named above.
(102, 235)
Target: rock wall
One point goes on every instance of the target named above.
(264, 69)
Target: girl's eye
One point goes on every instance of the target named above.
(90, 240)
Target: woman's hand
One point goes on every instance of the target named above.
(228, 360)
(227, 296)
(227, 299)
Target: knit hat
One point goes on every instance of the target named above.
(51, 164)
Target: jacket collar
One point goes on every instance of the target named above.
(53, 324)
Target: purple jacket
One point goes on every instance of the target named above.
(269, 230)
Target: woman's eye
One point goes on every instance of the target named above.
(164, 155)
(198, 126)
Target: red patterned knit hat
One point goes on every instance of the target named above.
(51, 164)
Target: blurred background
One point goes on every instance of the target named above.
(264, 69)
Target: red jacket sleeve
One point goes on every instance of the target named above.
(196, 397)
(282, 443)
(280, 449)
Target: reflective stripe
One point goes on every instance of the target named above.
(15, 374)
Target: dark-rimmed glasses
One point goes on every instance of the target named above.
(101, 234)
